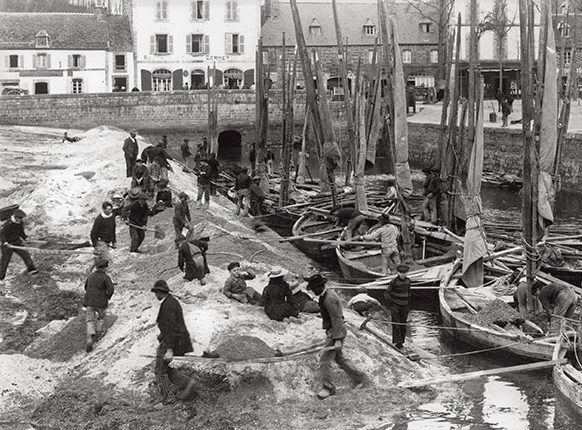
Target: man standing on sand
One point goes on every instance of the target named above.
(98, 291)
(182, 216)
(397, 296)
(130, 149)
(174, 341)
(103, 232)
(12, 233)
(136, 211)
(333, 324)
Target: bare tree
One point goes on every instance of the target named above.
(438, 12)
(498, 22)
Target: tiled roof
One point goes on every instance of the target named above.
(65, 30)
(352, 17)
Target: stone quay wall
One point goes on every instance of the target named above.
(188, 110)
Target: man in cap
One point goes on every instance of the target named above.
(256, 196)
(242, 185)
(130, 150)
(12, 233)
(140, 176)
(136, 211)
(432, 190)
(185, 151)
(182, 214)
(174, 341)
(103, 232)
(333, 324)
(397, 296)
(203, 184)
(388, 235)
(192, 257)
(98, 291)
(235, 287)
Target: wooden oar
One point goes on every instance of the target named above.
(318, 233)
(343, 242)
(49, 251)
(479, 374)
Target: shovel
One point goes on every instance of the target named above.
(158, 232)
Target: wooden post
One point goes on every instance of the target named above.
(473, 56)
(284, 138)
(441, 148)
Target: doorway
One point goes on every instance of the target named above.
(41, 88)
(197, 80)
(229, 146)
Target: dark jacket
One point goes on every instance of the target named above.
(214, 167)
(12, 233)
(275, 296)
(158, 154)
(185, 150)
(146, 154)
(432, 185)
(242, 181)
(256, 194)
(130, 148)
(98, 290)
(398, 292)
(236, 285)
(165, 195)
(204, 174)
(137, 212)
(173, 332)
(103, 229)
(332, 315)
(186, 253)
(181, 214)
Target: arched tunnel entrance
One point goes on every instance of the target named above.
(229, 146)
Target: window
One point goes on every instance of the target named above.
(434, 56)
(407, 56)
(13, 61)
(315, 28)
(76, 60)
(200, 10)
(162, 10)
(370, 56)
(161, 44)
(119, 62)
(265, 57)
(369, 30)
(162, 80)
(234, 43)
(197, 44)
(564, 9)
(42, 39)
(567, 57)
(563, 29)
(41, 61)
(425, 27)
(231, 13)
(77, 86)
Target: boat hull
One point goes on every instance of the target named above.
(568, 382)
(322, 253)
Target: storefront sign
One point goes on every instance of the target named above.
(41, 73)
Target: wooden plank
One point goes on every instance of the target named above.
(573, 373)
(317, 233)
(481, 373)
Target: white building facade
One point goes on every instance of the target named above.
(179, 43)
(63, 53)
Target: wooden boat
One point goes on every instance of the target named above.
(567, 378)
(456, 316)
(431, 248)
(7, 211)
(324, 227)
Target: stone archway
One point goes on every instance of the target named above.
(230, 146)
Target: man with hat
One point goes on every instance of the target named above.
(130, 150)
(174, 341)
(256, 196)
(203, 184)
(432, 190)
(186, 153)
(235, 287)
(12, 233)
(388, 235)
(98, 291)
(397, 296)
(300, 299)
(136, 211)
(140, 176)
(192, 257)
(333, 324)
(182, 214)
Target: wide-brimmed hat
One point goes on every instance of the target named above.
(256, 178)
(161, 286)
(134, 193)
(277, 272)
(101, 264)
(315, 281)
(183, 196)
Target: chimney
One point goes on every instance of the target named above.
(100, 10)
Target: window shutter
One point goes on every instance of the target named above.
(70, 61)
(227, 11)
(206, 44)
(7, 62)
(189, 43)
(235, 11)
(206, 10)
(170, 43)
(146, 80)
(241, 44)
(159, 10)
(48, 61)
(228, 43)
(21, 61)
(152, 44)
(165, 10)
(193, 10)
(34, 61)
(83, 61)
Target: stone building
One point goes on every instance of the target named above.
(178, 43)
(359, 25)
(60, 53)
(568, 31)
